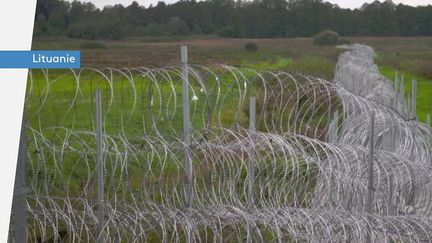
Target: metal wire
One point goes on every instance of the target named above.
(306, 187)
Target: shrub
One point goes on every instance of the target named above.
(251, 46)
(227, 31)
(326, 38)
(344, 41)
(92, 45)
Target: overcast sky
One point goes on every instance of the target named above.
(341, 3)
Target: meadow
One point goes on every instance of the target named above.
(410, 56)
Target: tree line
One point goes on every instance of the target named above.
(229, 18)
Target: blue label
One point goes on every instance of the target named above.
(40, 59)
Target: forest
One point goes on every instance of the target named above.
(229, 18)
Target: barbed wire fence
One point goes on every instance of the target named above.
(111, 155)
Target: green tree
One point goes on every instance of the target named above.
(176, 26)
(232, 18)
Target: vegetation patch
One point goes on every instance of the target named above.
(92, 45)
(251, 46)
(326, 38)
(239, 19)
(424, 89)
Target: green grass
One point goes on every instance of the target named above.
(424, 90)
(298, 55)
(276, 63)
(410, 54)
(59, 110)
(292, 55)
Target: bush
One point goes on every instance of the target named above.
(92, 45)
(251, 46)
(326, 38)
(227, 31)
(344, 41)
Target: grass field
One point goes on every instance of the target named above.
(297, 55)
(293, 55)
(411, 56)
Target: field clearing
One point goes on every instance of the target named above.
(138, 53)
(412, 56)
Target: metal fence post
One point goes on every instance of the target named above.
(390, 207)
(370, 165)
(333, 127)
(251, 168)
(186, 134)
(402, 83)
(186, 126)
(428, 124)
(20, 191)
(330, 131)
(99, 168)
(395, 79)
(396, 91)
(414, 98)
(390, 196)
(393, 138)
(336, 124)
(402, 93)
(370, 172)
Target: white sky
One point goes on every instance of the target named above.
(341, 3)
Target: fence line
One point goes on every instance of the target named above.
(251, 164)
(277, 179)
(100, 168)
